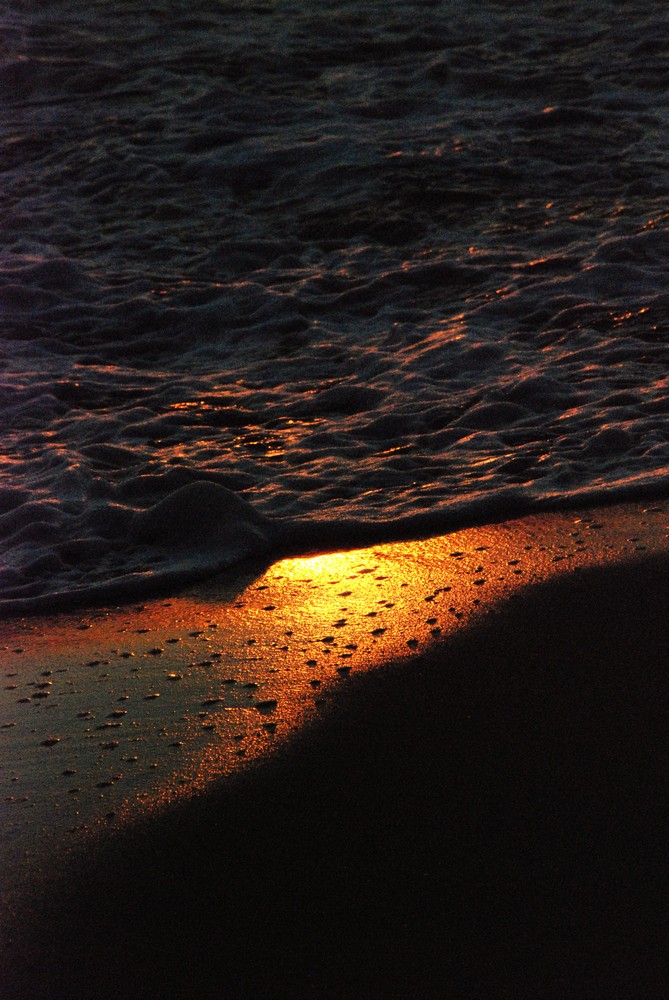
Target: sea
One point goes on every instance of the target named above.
(284, 274)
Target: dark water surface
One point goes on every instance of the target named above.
(356, 260)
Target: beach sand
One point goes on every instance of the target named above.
(450, 779)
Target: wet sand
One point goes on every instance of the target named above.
(483, 813)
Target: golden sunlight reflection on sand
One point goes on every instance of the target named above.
(110, 714)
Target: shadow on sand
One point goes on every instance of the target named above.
(486, 820)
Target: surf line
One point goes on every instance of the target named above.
(207, 516)
(203, 529)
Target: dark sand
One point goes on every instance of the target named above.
(490, 822)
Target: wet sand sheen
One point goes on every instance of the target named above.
(487, 816)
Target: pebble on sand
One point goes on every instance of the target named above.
(267, 706)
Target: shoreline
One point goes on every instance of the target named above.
(483, 810)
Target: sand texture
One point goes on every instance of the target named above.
(450, 780)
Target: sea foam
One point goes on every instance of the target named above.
(373, 273)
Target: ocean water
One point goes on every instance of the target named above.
(287, 273)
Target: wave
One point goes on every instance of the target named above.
(377, 275)
(203, 529)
